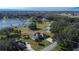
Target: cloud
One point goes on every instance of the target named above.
(38, 3)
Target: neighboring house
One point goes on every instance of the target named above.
(21, 44)
(25, 46)
(44, 20)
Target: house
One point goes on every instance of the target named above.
(39, 36)
(44, 20)
(21, 44)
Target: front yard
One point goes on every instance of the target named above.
(57, 48)
(35, 45)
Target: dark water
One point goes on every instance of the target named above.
(13, 23)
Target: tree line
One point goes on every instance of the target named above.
(66, 30)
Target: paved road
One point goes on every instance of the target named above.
(48, 48)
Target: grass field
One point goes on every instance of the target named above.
(35, 45)
(25, 30)
(29, 31)
(57, 48)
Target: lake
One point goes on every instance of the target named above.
(13, 23)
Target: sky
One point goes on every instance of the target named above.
(42, 8)
(27, 4)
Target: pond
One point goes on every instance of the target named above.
(13, 23)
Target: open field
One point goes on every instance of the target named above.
(40, 28)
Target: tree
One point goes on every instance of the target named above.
(33, 26)
(67, 35)
(8, 40)
(33, 19)
(10, 44)
(55, 17)
(56, 27)
(5, 17)
(70, 38)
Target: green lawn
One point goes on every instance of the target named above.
(2, 36)
(25, 30)
(35, 45)
(29, 31)
(57, 48)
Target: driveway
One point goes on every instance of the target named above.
(50, 40)
(29, 48)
